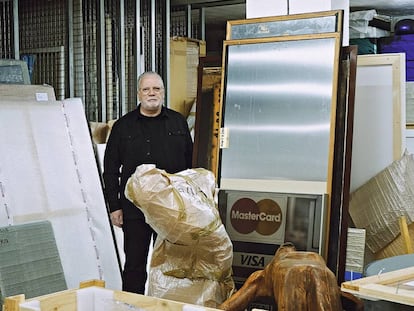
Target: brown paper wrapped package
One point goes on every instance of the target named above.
(193, 254)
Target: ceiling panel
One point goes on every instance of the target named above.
(219, 12)
(384, 4)
(385, 7)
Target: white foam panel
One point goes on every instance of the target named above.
(48, 171)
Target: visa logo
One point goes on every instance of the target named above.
(252, 261)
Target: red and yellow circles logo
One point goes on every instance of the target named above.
(264, 217)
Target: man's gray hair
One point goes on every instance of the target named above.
(149, 73)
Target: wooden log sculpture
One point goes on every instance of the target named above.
(298, 281)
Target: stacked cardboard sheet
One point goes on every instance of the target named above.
(29, 261)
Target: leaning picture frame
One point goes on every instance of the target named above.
(268, 66)
(285, 25)
(273, 90)
(335, 184)
(379, 113)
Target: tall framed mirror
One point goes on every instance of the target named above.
(277, 139)
(279, 99)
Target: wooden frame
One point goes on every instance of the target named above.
(372, 149)
(279, 184)
(294, 24)
(337, 184)
(325, 185)
(14, 71)
(206, 122)
(339, 218)
(387, 286)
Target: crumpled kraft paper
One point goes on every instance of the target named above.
(193, 254)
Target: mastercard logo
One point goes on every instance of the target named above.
(264, 216)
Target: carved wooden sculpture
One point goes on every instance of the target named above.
(298, 281)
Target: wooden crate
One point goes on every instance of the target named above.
(91, 296)
(184, 60)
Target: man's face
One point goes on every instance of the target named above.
(151, 95)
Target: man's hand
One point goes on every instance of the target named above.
(116, 218)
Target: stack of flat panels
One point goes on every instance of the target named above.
(29, 261)
(48, 171)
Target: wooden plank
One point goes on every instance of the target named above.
(89, 283)
(62, 301)
(215, 144)
(405, 235)
(387, 286)
(393, 294)
(149, 303)
(384, 278)
(12, 303)
(68, 300)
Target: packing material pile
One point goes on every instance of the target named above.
(378, 205)
(192, 257)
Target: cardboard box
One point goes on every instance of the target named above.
(31, 92)
(100, 131)
(184, 59)
(211, 77)
(91, 296)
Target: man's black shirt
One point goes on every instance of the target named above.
(135, 139)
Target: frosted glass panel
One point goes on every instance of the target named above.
(277, 109)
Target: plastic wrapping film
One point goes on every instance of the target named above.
(193, 254)
(379, 203)
(359, 24)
